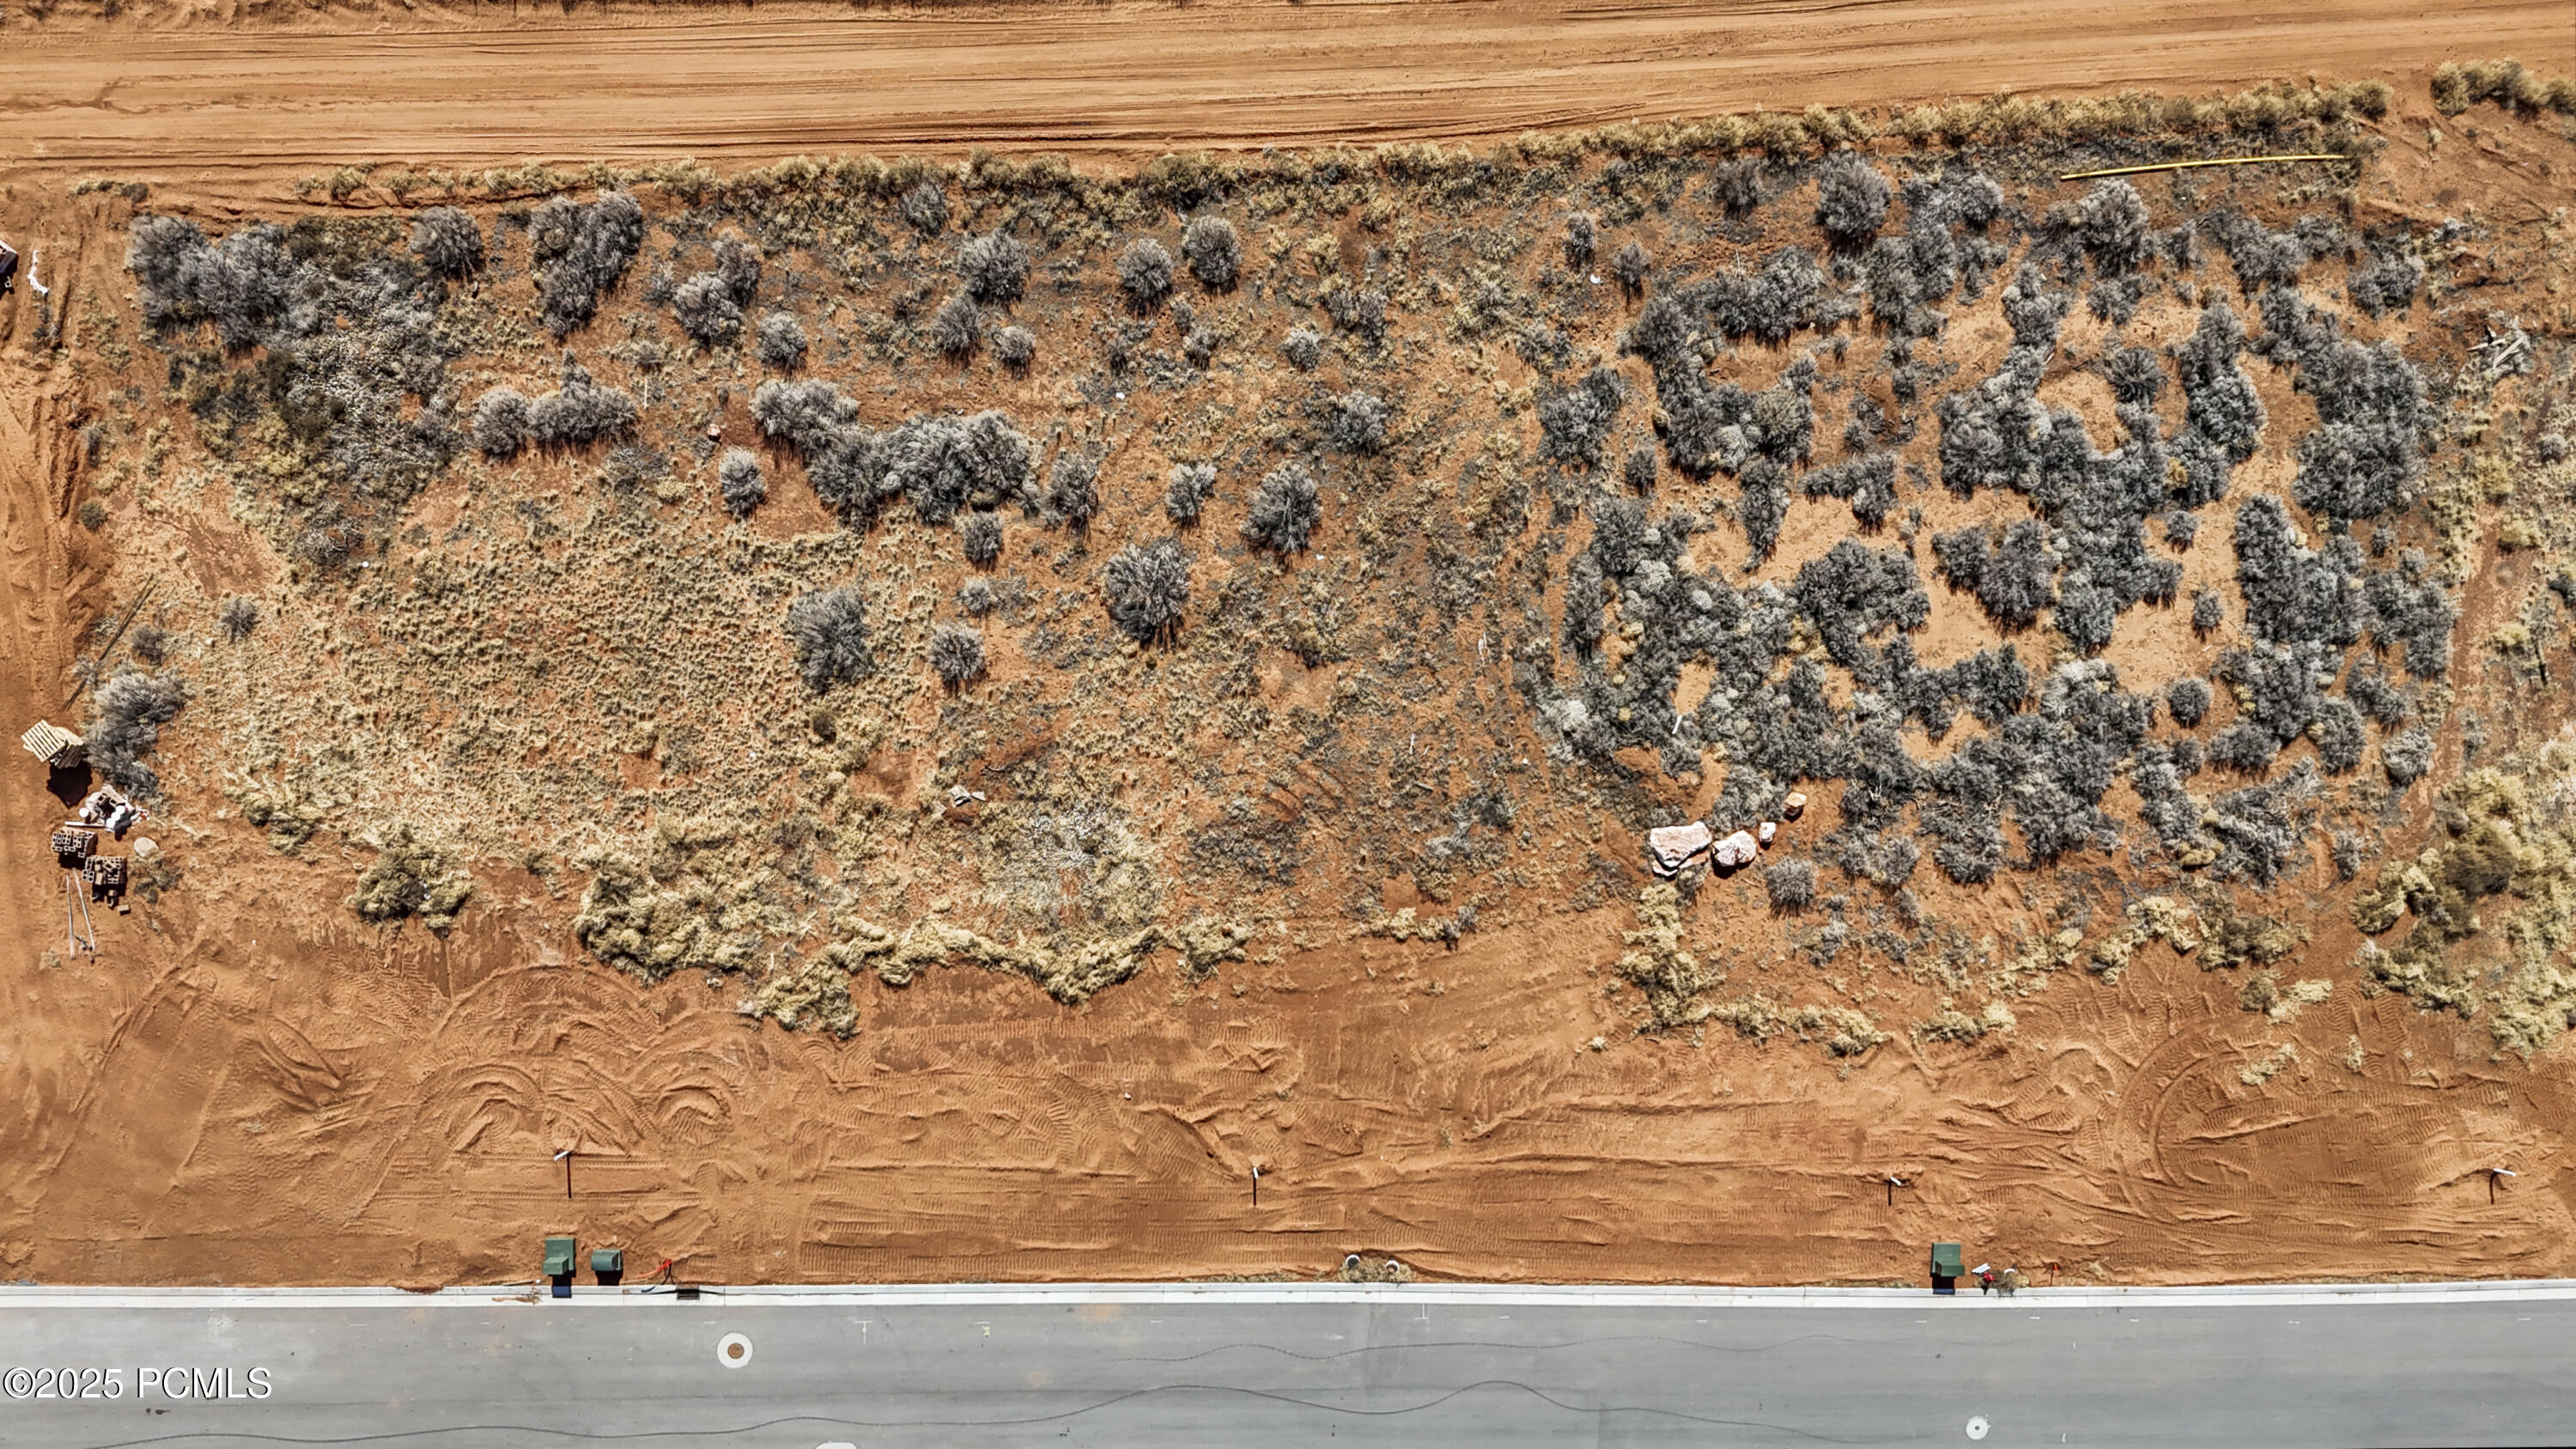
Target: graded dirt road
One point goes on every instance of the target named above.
(202, 98)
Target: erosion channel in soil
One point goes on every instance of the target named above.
(925, 718)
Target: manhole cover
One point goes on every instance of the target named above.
(1977, 1427)
(733, 1350)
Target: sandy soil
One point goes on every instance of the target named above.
(248, 1086)
(209, 96)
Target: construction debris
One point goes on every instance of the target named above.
(108, 808)
(75, 842)
(1676, 846)
(53, 744)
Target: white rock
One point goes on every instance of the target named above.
(1675, 846)
(1734, 850)
(1765, 831)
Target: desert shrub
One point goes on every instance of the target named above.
(2263, 829)
(580, 412)
(2262, 257)
(2244, 746)
(943, 464)
(2187, 700)
(977, 598)
(2181, 527)
(2458, 85)
(957, 326)
(2407, 755)
(1791, 885)
(781, 343)
(2013, 579)
(2111, 223)
(1015, 346)
(1285, 508)
(582, 251)
(810, 416)
(1303, 348)
(739, 479)
(1186, 490)
(1199, 348)
(1973, 197)
(2375, 694)
(150, 643)
(2134, 374)
(1869, 484)
(246, 284)
(1638, 469)
(1992, 683)
(126, 715)
(2388, 283)
(981, 535)
(1855, 591)
(237, 618)
(1851, 198)
(2339, 735)
(829, 630)
(2208, 611)
(447, 241)
(1147, 587)
(1582, 238)
(925, 208)
(956, 654)
(1357, 423)
(1631, 265)
(1618, 535)
(1585, 595)
(1763, 508)
(706, 310)
(501, 422)
(1213, 251)
(2369, 453)
(994, 267)
(157, 248)
(738, 267)
(410, 878)
(2410, 611)
(1145, 273)
(1073, 488)
(1768, 306)
(1360, 310)
(2292, 593)
(1736, 185)
(1574, 422)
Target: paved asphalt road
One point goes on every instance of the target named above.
(1393, 1365)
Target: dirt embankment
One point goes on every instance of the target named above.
(217, 96)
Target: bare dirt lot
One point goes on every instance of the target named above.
(1341, 876)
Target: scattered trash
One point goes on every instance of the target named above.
(1675, 846)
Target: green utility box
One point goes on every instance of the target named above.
(560, 1257)
(1949, 1265)
(608, 1265)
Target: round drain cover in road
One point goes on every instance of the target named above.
(1977, 1427)
(733, 1350)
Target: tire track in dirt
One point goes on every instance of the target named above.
(468, 87)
